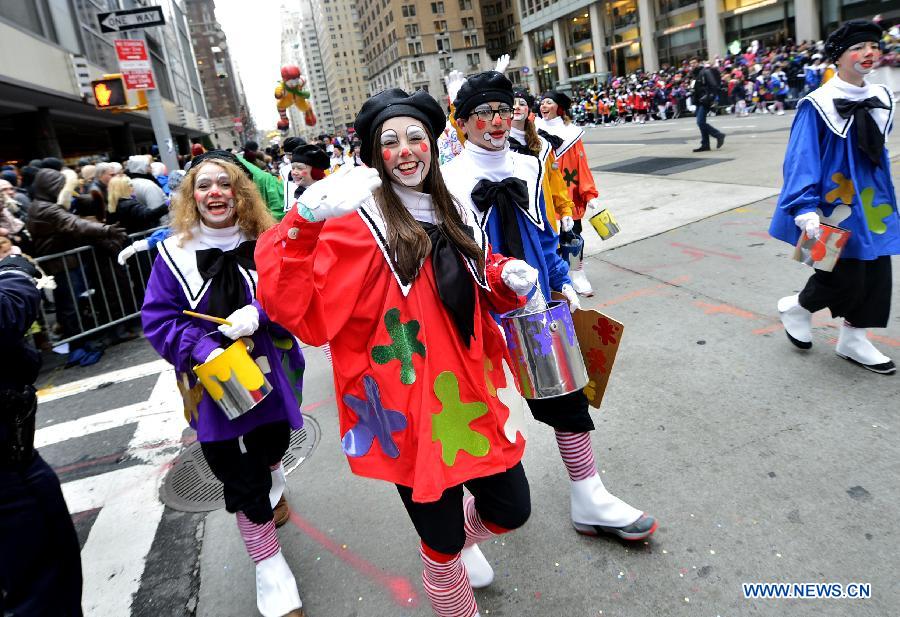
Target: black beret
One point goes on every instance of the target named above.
(292, 142)
(849, 34)
(559, 98)
(482, 88)
(524, 94)
(212, 156)
(311, 155)
(393, 103)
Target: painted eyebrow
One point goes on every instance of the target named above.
(388, 134)
(414, 131)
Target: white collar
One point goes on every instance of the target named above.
(418, 204)
(371, 215)
(495, 164)
(182, 261)
(463, 173)
(836, 88)
(569, 133)
(517, 134)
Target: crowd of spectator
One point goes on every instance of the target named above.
(758, 80)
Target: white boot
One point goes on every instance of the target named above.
(276, 588)
(854, 345)
(797, 321)
(595, 510)
(580, 282)
(278, 484)
(479, 571)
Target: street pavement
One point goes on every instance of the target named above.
(762, 463)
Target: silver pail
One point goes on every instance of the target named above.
(545, 351)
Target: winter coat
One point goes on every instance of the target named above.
(135, 216)
(54, 229)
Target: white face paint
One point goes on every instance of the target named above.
(405, 151)
(520, 109)
(214, 196)
(488, 134)
(862, 57)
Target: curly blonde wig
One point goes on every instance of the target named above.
(252, 215)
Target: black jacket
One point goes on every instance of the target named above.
(19, 303)
(135, 216)
(706, 87)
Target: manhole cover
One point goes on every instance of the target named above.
(657, 165)
(190, 485)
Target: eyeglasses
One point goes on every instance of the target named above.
(487, 115)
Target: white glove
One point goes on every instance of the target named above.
(128, 252)
(567, 223)
(244, 322)
(454, 81)
(502, 63)
(46, 282)
(809, 223)
(595, 205)
(340, 193)
(572, 296)
(519, 276)
(218, 351)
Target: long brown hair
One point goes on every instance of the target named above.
(406, 237)
(531, 137)
(252, 215)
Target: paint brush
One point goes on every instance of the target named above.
(206, 317)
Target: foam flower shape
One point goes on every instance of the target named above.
(374, 421)
(596, 361)
(844, 191)
(875, 215)
(509, 396)
(404, 343)
(606, 331)
(451, 425)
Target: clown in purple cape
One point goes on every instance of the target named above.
(206, 266)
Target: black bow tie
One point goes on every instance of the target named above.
(869, 138)
(516, 146)
(507, 196)
(226, 292)
(455, 286)
(555, 141)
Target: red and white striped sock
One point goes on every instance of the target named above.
(327, 349)
(447, 585)
(260, 540)
(577, 454)
(478, 530)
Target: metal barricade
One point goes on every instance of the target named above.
(93, 292)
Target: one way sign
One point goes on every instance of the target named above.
(131, 19)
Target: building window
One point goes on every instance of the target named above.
(473, 60)
(471, 40)
(437, 8)
(408, 10)
(465, 5)
(412, 29)
(468, 23)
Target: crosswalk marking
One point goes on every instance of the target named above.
(45, 395)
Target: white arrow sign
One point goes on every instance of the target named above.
(132, 19)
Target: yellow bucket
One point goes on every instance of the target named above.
(233, 380)
(605, 224)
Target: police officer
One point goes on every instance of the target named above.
(40, 562)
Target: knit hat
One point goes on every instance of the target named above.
(482, 88)
(391, 104)
(849, 34)
(289, 144)
(311, 155)
(212, 156)
(559, 98)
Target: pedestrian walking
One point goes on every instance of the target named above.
(837, 172)
(207, 266)
(704, 95)
(402, 284)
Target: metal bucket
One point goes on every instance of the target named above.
(605, 224)
(545, 351)
(571, 248)
(233, 380)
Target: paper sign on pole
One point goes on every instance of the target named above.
(134, 64)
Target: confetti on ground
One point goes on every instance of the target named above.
(712, 552)
(686, 599)
(778, 554)
(665, 552)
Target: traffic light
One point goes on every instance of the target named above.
(109, 92)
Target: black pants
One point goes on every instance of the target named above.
(568, 413)
(40, 561)
(857, 290)
(503, 499)
(706, 129)
(247, 476)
